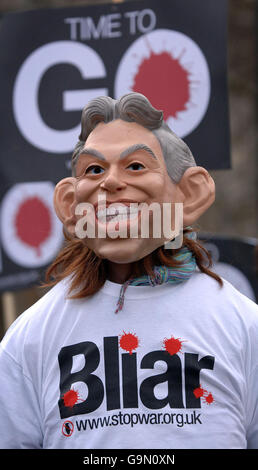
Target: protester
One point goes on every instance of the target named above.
(138, 344)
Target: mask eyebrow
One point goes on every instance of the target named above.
(136, 147)
(93, 153)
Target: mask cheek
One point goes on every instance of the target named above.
(64, 203)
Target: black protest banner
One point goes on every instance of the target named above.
(236, 260)
(54, 61)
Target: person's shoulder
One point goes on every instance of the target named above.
(225, 298)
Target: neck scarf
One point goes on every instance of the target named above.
(164, 274)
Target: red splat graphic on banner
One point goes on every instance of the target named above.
(165, 82)
(33, 222)
(129, 342)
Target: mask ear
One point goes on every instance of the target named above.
(64, 203)
(198, 188)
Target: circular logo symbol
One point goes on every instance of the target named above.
(31, 233)
(170, 69)
(67, 428)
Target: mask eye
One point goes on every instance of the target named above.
(94, 170)
(136, 166)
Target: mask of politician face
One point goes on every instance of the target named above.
(122, 203)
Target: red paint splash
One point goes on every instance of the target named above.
(33, 222)
(165, 82)
(209, 399)
(200, 392)
(129, 342)
(172, 345)
(70, 398)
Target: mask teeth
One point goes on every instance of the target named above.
(121, 213)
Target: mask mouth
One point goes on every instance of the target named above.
(118, 213)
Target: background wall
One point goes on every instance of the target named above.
(235, 210)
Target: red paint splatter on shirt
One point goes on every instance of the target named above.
(209, 399)
(200, 392)
(70, 398)
(129, 342)
(172, 345)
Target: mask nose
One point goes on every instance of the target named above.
(113, 183)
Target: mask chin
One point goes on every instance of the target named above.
(123, 251)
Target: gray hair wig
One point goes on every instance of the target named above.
(135, 107)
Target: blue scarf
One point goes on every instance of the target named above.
(164, 274)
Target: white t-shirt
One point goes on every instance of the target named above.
(176, 368)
